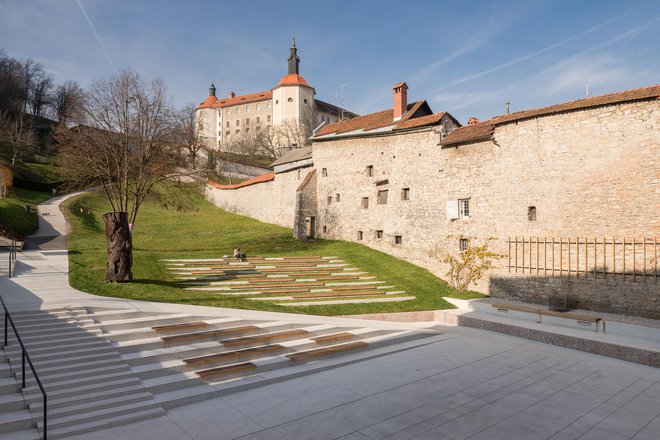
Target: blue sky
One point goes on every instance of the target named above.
(466, 57)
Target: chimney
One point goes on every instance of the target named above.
(232, 95)
(473, 120)
(400, 100)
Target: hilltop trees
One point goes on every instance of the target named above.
(125, 149)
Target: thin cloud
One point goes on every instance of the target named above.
(531, 55)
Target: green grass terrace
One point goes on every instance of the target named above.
(199, 230)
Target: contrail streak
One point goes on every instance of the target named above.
(531, 55)
(97, 37)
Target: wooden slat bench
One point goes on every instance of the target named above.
(343, 336)
(233, 356)
(265, 338)
(226, 370)
(326, 351)
(333, 294)
(209, 334)
(177, 327)
(545, 312)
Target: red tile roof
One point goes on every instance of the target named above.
(244, 99)
(208, 102)
(484, 130)
(259, 179)
(385, 118)
(292, 79)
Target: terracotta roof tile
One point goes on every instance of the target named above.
(208, 102)
(259, 179)
(244, 99)
(382, 119)
(292, 79)
(484, 130)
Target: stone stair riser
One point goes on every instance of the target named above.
(64, 402)
(56, 413)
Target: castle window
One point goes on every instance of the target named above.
(298, 174)
(227, 133)
(370, 171)
(463, 244)
(219, 132)
(238, 131)
(277, 101)
(268, 118)
(405, 194)
(247, 130)
(289, 100)
(324, 172)
(382, 197)
(329, 199)
(258, 107)
(365, 202)
(247, 108)
(238, 122)
(325, 229)
(305, 101)
(270, 104)
(531, 213)
(398, 239)
(379, 234)
(228, 111)
(238, 110)
(463, 208)
(360, 235)
(227, 124)
(337, 198)
(247, 121)
(258, 119)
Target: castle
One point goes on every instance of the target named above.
(568, 194)
(291, 101)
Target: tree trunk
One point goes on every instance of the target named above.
(120, 255)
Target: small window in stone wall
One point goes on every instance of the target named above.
(359, 235)
(398, 239)
(324, 172)
(329, 199)
(463, 244)
(531, 213)
(463, 208)
(325, 229)
(379, 234)
(382, 197)
(365, 202)
(405, 194)
(290, 100)
(369, 171)
(298, 174)
(337, 198)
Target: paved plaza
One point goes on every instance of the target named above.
(462, 384)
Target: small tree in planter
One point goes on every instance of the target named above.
(471, 264)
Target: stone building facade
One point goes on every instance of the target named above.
(417, 188)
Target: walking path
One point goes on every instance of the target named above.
(459, 383)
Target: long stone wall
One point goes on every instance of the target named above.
(586, 173)
(270, 202)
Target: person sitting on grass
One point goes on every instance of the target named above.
(239, 255)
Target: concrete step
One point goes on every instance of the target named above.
(103, 423)
(124, 314)
(16, 420)
(104, 348)
(172, 382)
(11, 402)
(64, 388)
(80, 368)
(185, 396)
(87, 398)
(73, 380)
(8, 385)
(51, 312)
(80, 346)
(57, 343)
(90, 406)
(5, 369)
(141, 322)
(24, 434)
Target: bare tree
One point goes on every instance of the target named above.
(188, 133)
(68, 103)
(11, 84)
(126, 150)
(17, 131)
(39, 95)
(31, 71)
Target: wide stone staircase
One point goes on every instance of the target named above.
(286, 281)
(104, 367)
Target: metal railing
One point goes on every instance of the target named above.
(12, 256)
(24, 357)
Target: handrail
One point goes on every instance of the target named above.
(25, 356)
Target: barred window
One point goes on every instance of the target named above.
(463, 244)
(365, 202)
(379, 234)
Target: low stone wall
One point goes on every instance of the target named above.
(604, 294)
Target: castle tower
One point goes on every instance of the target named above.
(293, 97)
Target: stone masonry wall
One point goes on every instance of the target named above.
(587, 173)
(270, 202)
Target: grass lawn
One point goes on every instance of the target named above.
(205, 231)
(13, 213)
